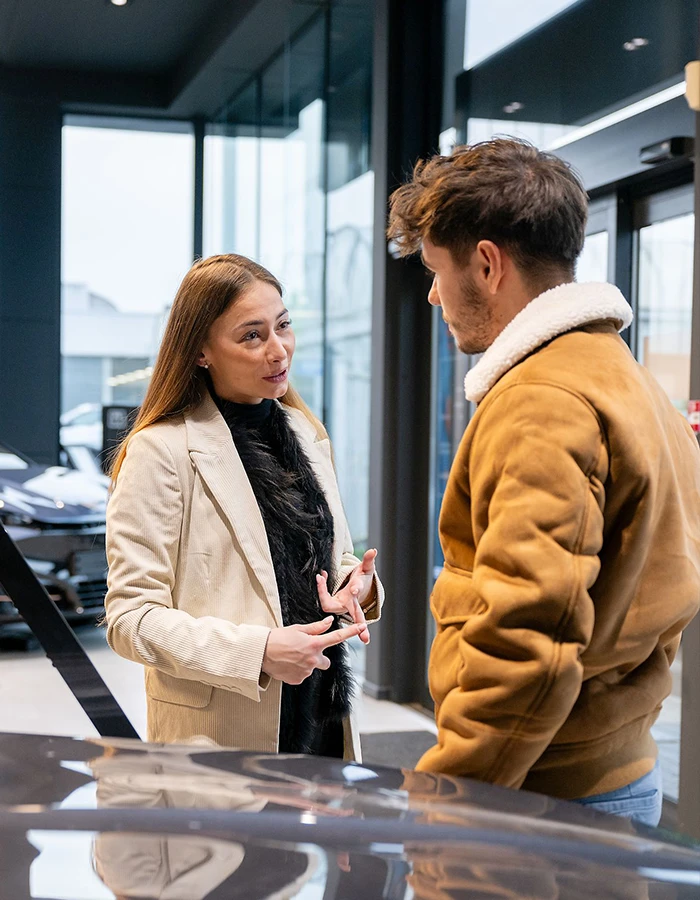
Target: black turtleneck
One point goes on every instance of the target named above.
(299, 528)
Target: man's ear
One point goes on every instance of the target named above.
(490, 265)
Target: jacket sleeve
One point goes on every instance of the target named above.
(144, 519)
(505, 668)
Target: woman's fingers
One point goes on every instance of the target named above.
(337, 637)
(367, 565)
(345, 602)
(357, 613)
(328, 603)
(334, 606)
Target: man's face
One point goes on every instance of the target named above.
(467, 311)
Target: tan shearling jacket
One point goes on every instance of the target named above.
(192, 593)
(571, 533)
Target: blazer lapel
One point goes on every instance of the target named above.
(215, 457)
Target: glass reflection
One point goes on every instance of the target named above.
(664, 315)
(195, 822)
(494, 25)
(664, 321)
(592, 264)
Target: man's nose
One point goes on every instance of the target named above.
(433, 296)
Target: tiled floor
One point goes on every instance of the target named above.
(35, 699)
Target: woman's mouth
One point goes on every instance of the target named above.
(277, 379)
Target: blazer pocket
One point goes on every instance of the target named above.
(180, 691)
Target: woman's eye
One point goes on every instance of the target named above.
(285, 324)
(251, 336)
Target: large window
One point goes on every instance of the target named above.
(348, 264)
(287, 182)
(127, 242)
(665, 304)
(664, 227)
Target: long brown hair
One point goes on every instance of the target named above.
(177, 385)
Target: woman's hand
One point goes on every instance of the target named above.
(348, 601)
(293, 652)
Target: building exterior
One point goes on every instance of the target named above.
(105, 353)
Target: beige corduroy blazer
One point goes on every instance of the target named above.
(192, 593)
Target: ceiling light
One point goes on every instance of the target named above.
(514, 107)
(634, 44)
(118, 2)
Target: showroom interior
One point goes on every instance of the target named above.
(136, 138)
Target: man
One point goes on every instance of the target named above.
(571, 521)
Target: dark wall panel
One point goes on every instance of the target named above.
(30, 275)
(406, 115)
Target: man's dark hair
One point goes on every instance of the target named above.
(504, 190)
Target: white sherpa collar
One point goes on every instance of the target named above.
(547, 316)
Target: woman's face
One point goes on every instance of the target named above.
(249, 348)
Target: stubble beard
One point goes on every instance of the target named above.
(474, 329)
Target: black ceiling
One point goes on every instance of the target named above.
(575, 67)
(144, 36)
(168, 58)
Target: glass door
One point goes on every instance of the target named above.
(596, 260)
(664, 226)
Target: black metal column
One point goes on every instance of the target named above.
(60, 643)
(406, 116)
(30, 274)
(198, 210)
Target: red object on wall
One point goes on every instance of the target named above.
(694, 415)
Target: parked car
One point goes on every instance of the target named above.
(56, 517)
(116, 818)
(82, 427)
(83, 459)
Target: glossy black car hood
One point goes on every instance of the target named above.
(99, 819)
(52, 496)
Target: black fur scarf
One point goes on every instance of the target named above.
(299, 528)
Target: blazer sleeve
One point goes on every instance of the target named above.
(144, 520)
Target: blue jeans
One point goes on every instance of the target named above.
(640, 801)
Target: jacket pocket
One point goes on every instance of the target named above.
(180, 691)
(454, 599)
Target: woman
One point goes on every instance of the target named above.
(226, 537)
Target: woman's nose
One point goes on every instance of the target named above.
(275, 348)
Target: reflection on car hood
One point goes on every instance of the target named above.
(53, 495)
(101, 818)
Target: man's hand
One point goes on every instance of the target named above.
(293, 652)
(348, 601)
